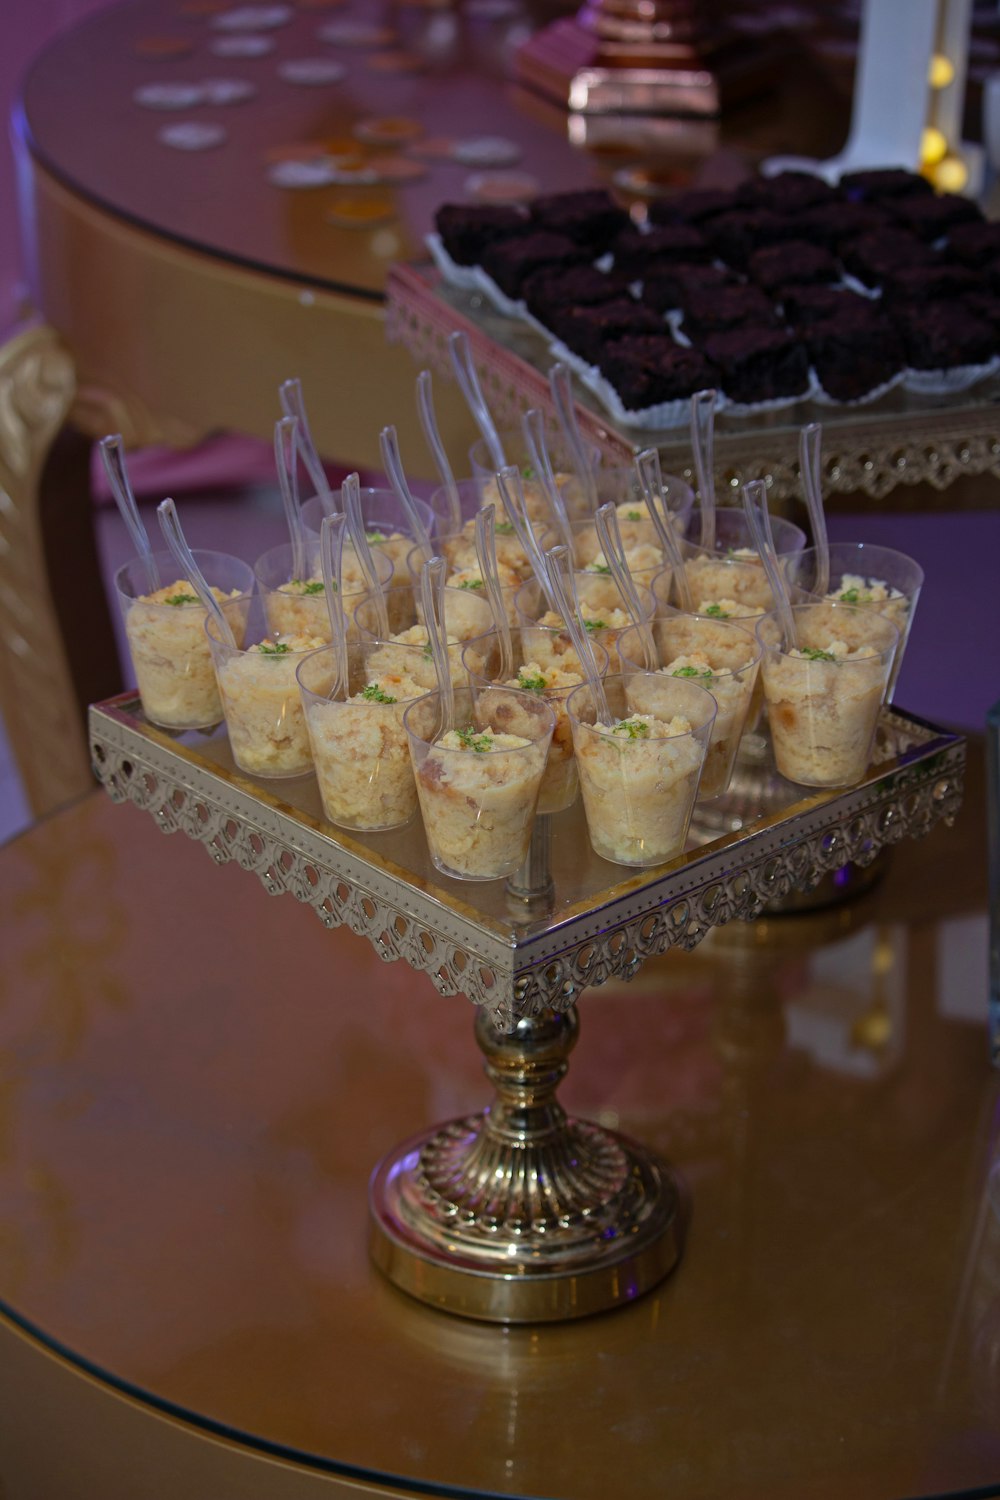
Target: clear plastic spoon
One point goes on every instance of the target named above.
(174, 537)
(561, 386)
(350, 494)
(651, 479)
(533, 426)
(428, 421)
(113, 458)
(331, 566)
(486, 553)
(468, 380)
(759, 520)
(432, 577)
(703, 446)
(286, 431)
(512, 494)
(293, 404)
(610, 537)
(560, 566)
(393, 464)
(810, 439)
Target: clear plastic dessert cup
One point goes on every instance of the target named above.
(469, 622)
(872, 577)
(730, 577)
(717, 655)
(459, 548)
(516, 451)
(261, 699)
(478, 785)
(165, 630)
(601, 604)
(387, 526)
(620, 483)
(297, 606)
(824, 695)
(639, 776)
(359, 746)
(553, 683)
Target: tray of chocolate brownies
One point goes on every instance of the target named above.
(783, 290)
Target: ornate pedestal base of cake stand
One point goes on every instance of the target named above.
(521, 1214)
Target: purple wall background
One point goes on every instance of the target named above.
(952, 671)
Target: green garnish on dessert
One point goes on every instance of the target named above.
(282, 648)
(717, 612)
(595, 624)
(633, 515)
(176, 599)
(530, 683)
(598, 568)
(813, 653)
(471, 583)
(528, 472)
(374, 694)
(855, 596)
(481, 743)
(636, 729)
(690, 672)
(374, 536)
(504, 528)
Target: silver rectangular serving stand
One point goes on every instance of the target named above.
(520, 1214)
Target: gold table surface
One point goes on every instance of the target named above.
(195, 1082)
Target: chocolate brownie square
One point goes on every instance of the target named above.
(836, 223)
(805, 305)
(932, 217)
(667, 287)
(943, 335)
(710, 310)
(592, 217)
(853, 357)
(759, 364)
(792, 263)
(879, 183)
(646, 371)
(550, 289)
(510, 262)
(735, 236)
(786, 192)
(693, 207)
(586, 330)
(984, 305)
(974, 244)
(637, 253)
(874, 256)
(930, 283)
(466, 229)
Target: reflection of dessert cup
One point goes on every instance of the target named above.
(261, 700)
(468, 621)
(552, 682)
(359, 746)
(602, 608)
(387, 525)
(297, 606)
(165, 630)
(871, 577)
(639, 775)
(824, 695)
(478, 784)
(716, 654)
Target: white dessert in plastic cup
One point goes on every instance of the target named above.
(261, 700)
(297, 606)
(359, 746)
(165, 630)
(602, 607)
(824, 695)
(639, 775)
(469, 623)
(387, 526)
(478, 784)
(716, 654)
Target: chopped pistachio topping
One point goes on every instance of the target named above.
(471, 583)
(632, 515)
(595, 624)
(182, 599)
(504, 528)
(597, 567)
(690, 672)
(635, 729)
(813, 653)
(528, 472)
(429, 651)
(374, 694)
(717, 612)
(473, 741)
(281, 648)
(530, 682)
(374, 536)
(855, 596)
